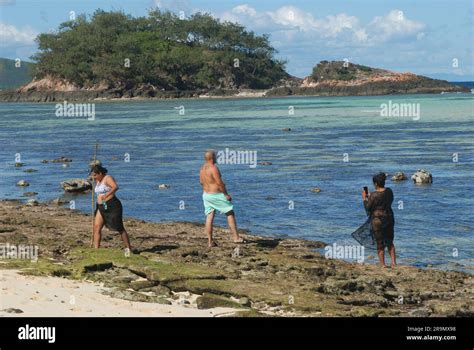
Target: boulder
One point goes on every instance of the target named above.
(244, 301)
(161, 290)
(422, 176)
(58, 201)
(315, 190)
(399, 177)
(30, 194)
(265, 163)
(61, 160)
(32, 203)
(76, 185)
(141, 284)
(22, 183)
(136, 296)
(209, 301)
(12, 311)
(163, 187)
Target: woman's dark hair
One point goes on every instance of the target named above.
(98, 169)
(379, 179)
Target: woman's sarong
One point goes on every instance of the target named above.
(111, 212)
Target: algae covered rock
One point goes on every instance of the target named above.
(76, 185)
(399, 177)
(209, 301)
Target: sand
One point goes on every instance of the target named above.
(60, 297)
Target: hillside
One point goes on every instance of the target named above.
(12, 76)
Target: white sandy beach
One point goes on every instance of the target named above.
(59, 297)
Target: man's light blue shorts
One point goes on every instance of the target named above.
(216, 201)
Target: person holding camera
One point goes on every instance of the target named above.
(378, 205)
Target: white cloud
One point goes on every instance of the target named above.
(11, 35)
(395, 25)
(290, 22)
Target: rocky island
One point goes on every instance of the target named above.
(111, 55)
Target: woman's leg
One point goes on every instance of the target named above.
(379, 238)
(126, 239)
(98, 225)
(391, 251)
(381, 254)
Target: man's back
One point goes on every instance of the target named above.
(208, 181)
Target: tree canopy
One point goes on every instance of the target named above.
(199, 52)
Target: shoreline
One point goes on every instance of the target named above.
(14, 96)
(265, 277)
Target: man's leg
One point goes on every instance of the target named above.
(233, 226)
(209, 222)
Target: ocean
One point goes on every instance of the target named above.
(336, 144)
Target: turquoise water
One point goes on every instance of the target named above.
(166, 147)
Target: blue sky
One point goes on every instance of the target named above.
(433, 38)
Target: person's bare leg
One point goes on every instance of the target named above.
(209, 222)
(98, 225)
(381, 254)
(126, 239)
(393, 256)
(233, 227)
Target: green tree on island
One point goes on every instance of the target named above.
(170, 53)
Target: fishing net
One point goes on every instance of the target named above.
(364, 235)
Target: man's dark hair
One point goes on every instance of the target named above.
(379, 179)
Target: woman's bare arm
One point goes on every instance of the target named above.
(110, 181)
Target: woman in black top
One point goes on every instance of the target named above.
(378, 205)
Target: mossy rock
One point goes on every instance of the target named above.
(141, 284)
(156, 271)
(130, 295)
(250, 313)
(209, 301)
(40, 267)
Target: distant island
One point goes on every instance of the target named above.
(112, 55)
(14, 74)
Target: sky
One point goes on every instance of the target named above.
(428, 37)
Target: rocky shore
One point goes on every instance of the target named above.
(265, 277)
(326, 90)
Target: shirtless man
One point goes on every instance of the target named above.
(215, 197)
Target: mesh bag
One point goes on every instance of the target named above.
(365, 236)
